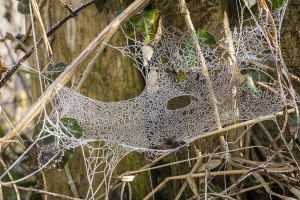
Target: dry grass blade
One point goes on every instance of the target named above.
(39, 19)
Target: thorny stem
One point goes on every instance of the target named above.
(41, 40)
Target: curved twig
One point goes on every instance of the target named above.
(14, 68)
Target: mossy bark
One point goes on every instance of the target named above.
(290, 39)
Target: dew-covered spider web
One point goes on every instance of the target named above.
(242, 88)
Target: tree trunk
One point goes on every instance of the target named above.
(290, 39)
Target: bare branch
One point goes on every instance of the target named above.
(14, 68)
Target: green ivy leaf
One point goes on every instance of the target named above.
(189, 54)
(145, 23)
(68, 154)
(205, 38)
(118, 12)
(44, 129)
(251, 181)
(257, 75)
(277, 3)
(56, 69)
(23, 7)
(181, 76)
(71, 127)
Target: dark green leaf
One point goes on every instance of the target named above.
(181, 76)
(145, 23)
(71, 127)
(57, 68)
(277, 3)
(257, 75)
(205, 38)
(189, 55)
(23, 7)
(68, 154)
(43, 129)
(251, 181)
(118, 12)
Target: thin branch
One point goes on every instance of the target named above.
(253, 62)
(188, 160)
(254, 139)
(269, 136)
(71, 181)
(219, 173)
(249, 189)
(246, 123)
(88, 69)
(37, 14)
(41, 4)
(212, 194)
(44, 192)
(186, 14)
(77, 11)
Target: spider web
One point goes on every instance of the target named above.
(146, 123)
